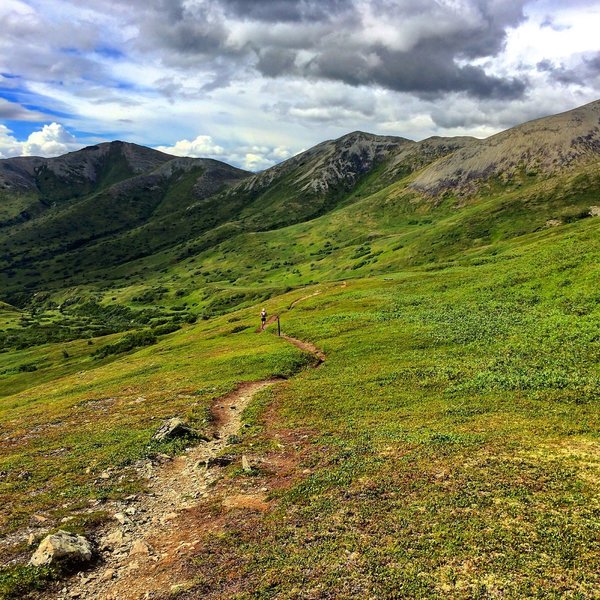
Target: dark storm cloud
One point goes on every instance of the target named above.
(424, 71)
(286, 11)
(584, 72)
(424, 46)
(273, 63)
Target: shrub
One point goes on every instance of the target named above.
(129, 342)
(165, 329)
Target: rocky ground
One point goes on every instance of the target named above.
(137, 554)
(146, 552)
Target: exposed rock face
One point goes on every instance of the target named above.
(543, 146)
(175, 428)
(330, 163)
(62, 548)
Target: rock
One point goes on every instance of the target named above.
(169, 517)
(63, 548)
(246, 464)
(39, 518)
(219, 461)
(139, 548)
(108, 575)
(176, 428)
(113, 540)
(121, 518)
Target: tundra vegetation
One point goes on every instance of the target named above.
(449, 443)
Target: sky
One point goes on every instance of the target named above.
(253, 82)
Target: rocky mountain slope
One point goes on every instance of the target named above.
(333, 173)
(89, 167)
(545, 146)
(70, 219)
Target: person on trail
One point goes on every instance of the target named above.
(263, 319)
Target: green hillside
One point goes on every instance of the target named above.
(448, 447)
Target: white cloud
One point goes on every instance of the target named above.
(51, 140)
(9, 146)
(110, 83)
(202, 146)
(251, 157)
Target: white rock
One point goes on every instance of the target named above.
(246, 464)
(62, 546)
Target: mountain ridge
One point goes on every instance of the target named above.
(546, 145)
(100, 207)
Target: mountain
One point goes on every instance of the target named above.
(115, 203)
(116, 210)
(445, 444)
(51, 207)
(333, 173)
(45, 182)
(546, 146)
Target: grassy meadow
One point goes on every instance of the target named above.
(451, 444)
(454, 447)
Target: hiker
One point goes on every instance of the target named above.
(263, 319)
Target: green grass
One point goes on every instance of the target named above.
(454, 434)
(99, 416)
(449, 445)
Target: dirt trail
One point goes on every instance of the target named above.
(303, 298)
(143, 554)
(307, 347)
(139, 555)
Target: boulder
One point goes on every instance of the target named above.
(62, 548)
(175, 428)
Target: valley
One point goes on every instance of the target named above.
(448, 446)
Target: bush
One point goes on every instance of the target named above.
(17, 581)
(129, 342)
(165, 328)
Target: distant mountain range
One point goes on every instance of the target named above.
(63, 218)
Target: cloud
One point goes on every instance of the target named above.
(289, 73)
(202, 146)
(51, 140)
(420, 47)
(582, 70)
(9, 146)
(258, 158)
(251, 158)
(15, 112)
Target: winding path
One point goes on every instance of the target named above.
(142, 554)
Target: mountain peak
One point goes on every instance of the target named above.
(546, 145)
